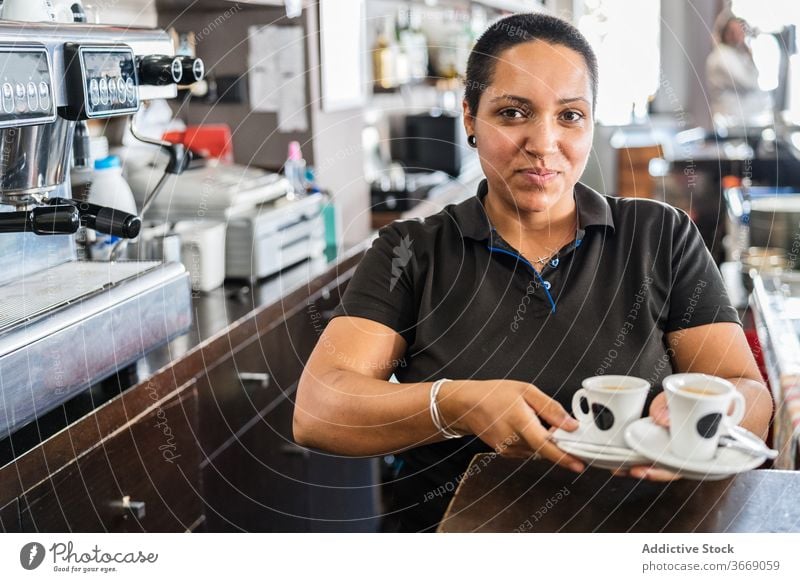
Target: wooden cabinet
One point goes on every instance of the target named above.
(143, 477)
(9, 517)
(258, 482)
(255, 478)
(265, 482)
(231, 393)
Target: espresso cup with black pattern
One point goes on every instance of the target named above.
(605, 405)
(699, 413)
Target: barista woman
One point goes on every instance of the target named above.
(491, 312)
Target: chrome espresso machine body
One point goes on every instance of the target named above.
(66, 324)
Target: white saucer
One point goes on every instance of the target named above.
(597, 455)
(652, 441)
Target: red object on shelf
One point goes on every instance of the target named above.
(211, 141)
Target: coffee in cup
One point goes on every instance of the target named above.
(698, 412)
(608, 404)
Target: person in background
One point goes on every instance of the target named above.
(732, 77)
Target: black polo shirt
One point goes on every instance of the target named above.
(471, 307)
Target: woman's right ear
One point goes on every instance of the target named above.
(469, 120)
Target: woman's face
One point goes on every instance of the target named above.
(534, 125)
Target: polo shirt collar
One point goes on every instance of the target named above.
(471, 217)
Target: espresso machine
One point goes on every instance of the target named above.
(66, 324)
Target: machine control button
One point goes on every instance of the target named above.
(112, 91)
(8, 98)
(121, 89)
(33, 96)
(20, 103)
(94, 92)
(103, 91)
(44, 95)
(131, 90)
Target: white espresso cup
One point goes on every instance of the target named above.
(698, 413)
(607, 404)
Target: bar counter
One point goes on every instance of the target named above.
(197, 436)
(517, 495)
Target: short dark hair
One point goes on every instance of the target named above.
(517, 29)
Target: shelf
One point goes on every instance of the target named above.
(512, 5)
(220, 5)
(507, 5)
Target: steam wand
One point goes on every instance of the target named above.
(179, 159)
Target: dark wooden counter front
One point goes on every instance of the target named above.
(199, 436)
(512, 495)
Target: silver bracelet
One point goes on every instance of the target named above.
(436, 415)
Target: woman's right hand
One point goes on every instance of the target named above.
(505, 415)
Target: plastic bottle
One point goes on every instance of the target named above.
(110, 189)
(295, 169)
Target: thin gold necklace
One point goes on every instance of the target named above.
(541, 260)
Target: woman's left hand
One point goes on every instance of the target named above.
(660, 415)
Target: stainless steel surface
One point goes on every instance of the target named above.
(25, 253)
(45, 361)
(35, 159)
(775, 222)
(34, 295)
(156, 244)
(65, 325)
(776, 311)
(143, 41)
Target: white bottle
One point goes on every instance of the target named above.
(110, 189)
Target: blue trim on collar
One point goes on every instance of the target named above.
(532, 268)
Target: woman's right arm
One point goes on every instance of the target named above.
(345, 403)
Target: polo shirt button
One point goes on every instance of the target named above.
(554, 263)
(547, 285)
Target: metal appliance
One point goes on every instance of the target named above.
(764, 217)
(268, 228)
(66, 324)
(274, 236)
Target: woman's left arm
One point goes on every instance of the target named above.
(721, 349)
